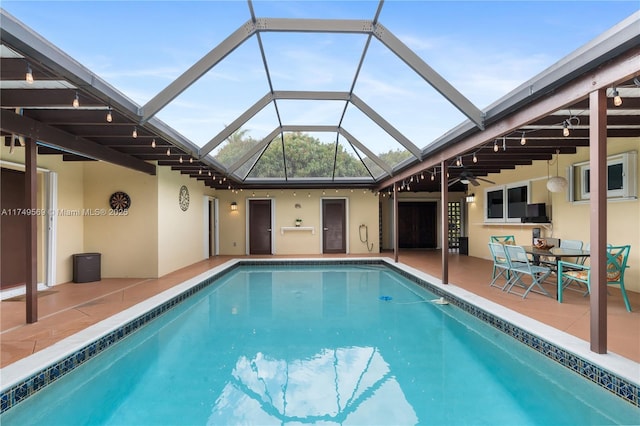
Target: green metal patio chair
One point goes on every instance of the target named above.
(617, 257)
(503, 239)
(567, 282)
(501, 265)
(522, 265)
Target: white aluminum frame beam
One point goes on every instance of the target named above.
(438, 82)
(197, 70)
(310, 95)
(253, 151)
(239, 36)
(386, 126)
(305, 128)
(236, 124)
(301, 25)
(295, 128)
(296, 95)
(354, 141)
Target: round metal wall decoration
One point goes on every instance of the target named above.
(120, 201)
(184, 198)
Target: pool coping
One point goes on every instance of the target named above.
(610, 371)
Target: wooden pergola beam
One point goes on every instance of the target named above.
(42, 133)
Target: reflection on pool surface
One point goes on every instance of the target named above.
(338, 385)
(319, 345)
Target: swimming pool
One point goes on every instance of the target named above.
(350, 343)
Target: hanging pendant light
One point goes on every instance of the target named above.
(557, 183)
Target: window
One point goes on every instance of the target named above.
(621, 177)
(506, 203)
(517, 202)
(495, 204)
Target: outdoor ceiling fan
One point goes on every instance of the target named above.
(467, 177)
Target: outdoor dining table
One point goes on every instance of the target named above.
(557, 253)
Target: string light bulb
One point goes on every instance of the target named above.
(474, 159)
(565, 129)
(180, 160)
(459, 161)
(109, 116)
(617, 100)
(168, 152)
(135, 133)
(29, 75)
(153, 143)
(495, 146)
(523, 140)
(76, 101)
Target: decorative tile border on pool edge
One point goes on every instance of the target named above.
(28, 387)
(615, 384)
(620, 387)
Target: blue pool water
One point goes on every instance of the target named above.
(319, 345)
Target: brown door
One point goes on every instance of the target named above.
(260, 227)
(417, 225)
(333, 225)
(13, 229)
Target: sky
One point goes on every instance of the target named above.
(484, 49)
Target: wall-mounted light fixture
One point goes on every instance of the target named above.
(234, 206)
(471, 198)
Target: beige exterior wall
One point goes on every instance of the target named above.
(570, 219)
(362, 209)
(128, 243)
(180, 233)
(231, 223)
(479, 232)
(623, 217)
